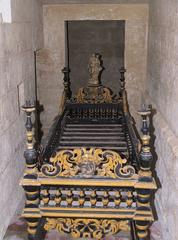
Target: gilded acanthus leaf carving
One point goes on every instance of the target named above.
(87, 228)
(88, 163)
(94, 95)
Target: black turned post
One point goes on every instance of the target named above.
(123, 93)
(122, 78)
(142, 230)
(145, 175)
(30, 153)
(66, 82)
(145, 154)
(31, 171)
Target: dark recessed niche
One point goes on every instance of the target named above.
(104, 37)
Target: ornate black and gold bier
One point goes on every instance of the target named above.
(93, 177)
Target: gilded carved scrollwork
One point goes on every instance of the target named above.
(87, 228)
(98, 94)
(88, 163)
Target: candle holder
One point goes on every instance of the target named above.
(31, 172)
(30, 153)
(145, 154)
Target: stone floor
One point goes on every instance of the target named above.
(17, 231)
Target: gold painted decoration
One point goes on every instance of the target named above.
(94, 92)
(94, 95)
(86, 228)
(88, 163)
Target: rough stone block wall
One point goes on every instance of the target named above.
(18, 41)
(94, 1)
(51, 59)
(162, 89)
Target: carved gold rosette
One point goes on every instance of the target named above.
(88, 163)
(87, 228)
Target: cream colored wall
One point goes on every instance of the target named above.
(18, 41)
(52, 58)
(162, 91)
(95, 1)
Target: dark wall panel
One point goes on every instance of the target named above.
(104, 37)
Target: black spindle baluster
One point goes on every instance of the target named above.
(66, 82)
(122, 78)
(31, 171)
(145, 175)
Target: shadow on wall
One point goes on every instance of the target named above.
(155, 157)
(39, 109)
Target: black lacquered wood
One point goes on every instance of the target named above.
(123, 192)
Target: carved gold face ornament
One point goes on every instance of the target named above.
(83, 162)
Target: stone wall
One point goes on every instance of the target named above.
(18, 41)
(104, 37)
(94, 1)
(51, 59)
(162, 89)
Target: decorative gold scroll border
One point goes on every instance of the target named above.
(88, 163)
(87, 228)
(98, 96)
